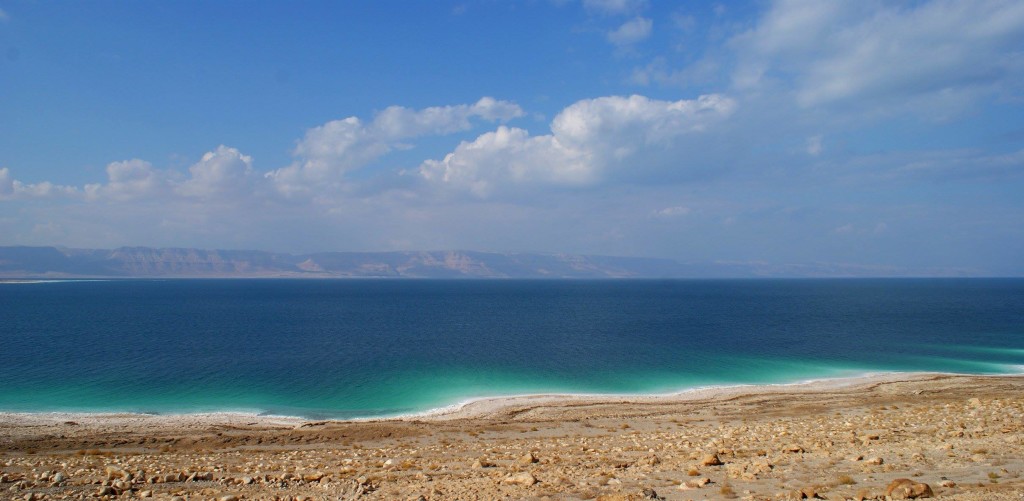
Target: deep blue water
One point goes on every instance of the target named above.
(346, 348)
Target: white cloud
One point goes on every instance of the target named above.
(614, 7)
(658, 71)
(128, 180)
(398, 122)
(588, 140)
(853, 51)
(509, 155)
(958, 165)
(222, 172)
(814, 146)
(845, 229)
(6, 182)
(633, 31)
(672, 212)
(327, 152)
(11, 188)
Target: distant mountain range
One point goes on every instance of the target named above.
(148, 262)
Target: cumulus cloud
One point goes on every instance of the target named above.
(856, 51)
(128, 180)
(327, 152)
(322, 156)
(588, 139)
(222, 172)
(509, 155)
(11, 189)
(614, 7)
(633, 31)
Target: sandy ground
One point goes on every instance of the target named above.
(963, 436)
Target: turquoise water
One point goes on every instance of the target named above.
(334, 348)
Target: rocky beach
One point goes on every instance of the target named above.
(890, 436)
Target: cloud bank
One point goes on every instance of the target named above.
(870, 132)
(588, 141)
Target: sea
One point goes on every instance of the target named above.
(373, 348)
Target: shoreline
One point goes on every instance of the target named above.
(489, 406)
(836, 439)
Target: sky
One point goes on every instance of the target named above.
(862, 132)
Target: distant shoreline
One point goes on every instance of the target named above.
(44, 262)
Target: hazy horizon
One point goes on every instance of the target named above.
(878, 134)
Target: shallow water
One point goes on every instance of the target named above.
(350, 348)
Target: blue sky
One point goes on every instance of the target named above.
(877, 134)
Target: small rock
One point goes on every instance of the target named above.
(523, 478)
(58, 478)
(114, 472)
(904, 488)
(947, 483)
(649, 494)
(711, 460)
(863, 495)
(146, 494)
(793, 448)
(483, 463)
(247, 480)
(875, 461)
(121, 485)
(229, 497)
(809, 492)
(527, 458)
(696, 483)
(791, 495)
